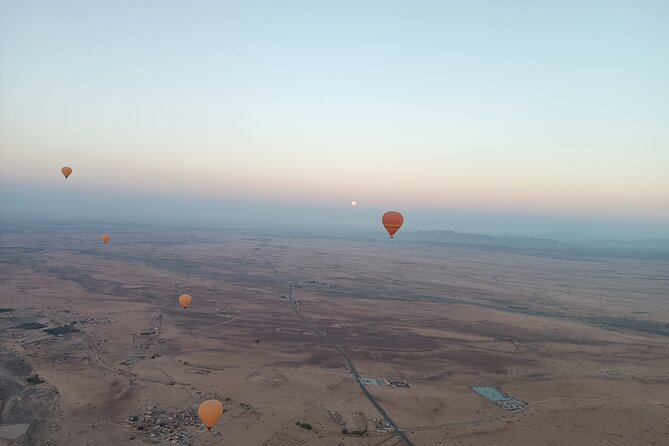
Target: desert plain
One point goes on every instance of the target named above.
(95, 349)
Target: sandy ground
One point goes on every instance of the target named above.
(580, 340)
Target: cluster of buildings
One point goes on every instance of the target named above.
(168, 427)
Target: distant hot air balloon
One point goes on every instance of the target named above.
(105, 238)
(185, 300)
(392, 220)
(67, 171)
(354, 203)
(210, 412)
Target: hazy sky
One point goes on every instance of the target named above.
(548, 109)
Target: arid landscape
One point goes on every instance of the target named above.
(95, 349)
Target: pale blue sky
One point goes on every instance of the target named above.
(507, 107)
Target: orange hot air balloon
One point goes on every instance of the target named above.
(105, 238)
(392, 220)
(67, 171)
(185, 300)
(210, 412)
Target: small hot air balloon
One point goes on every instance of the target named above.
(354, 203)
(185, 300)
(105, 238)
(67, 171)
(392, 220)
(210, 412)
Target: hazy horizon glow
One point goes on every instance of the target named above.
(485, 107)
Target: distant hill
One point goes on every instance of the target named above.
(650, 248)
(460, 238)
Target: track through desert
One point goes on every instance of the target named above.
(399, 432)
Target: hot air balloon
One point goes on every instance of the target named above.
(105, 238)
(392, 220)
(185, 300)
(210, 412)
(67, 171)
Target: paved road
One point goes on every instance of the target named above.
(399, 432)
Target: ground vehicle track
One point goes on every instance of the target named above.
(399, 432)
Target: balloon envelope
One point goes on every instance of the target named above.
(185, 300)
(105, 238)
(392, 220)
(210, 412)
(67, 171)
